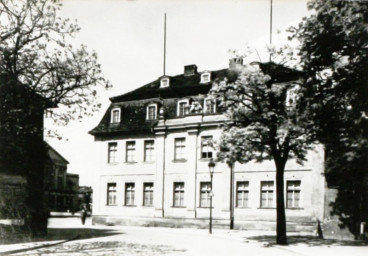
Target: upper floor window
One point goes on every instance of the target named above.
(183, 107)
(206, 77)
(165, 82)
(115, 115)
(152, 112)
(209, 106)
(130, 151)
(206, 149)
(179, 150)
(149, 151)
(112, 149)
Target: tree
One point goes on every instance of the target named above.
(334, 55)
(267, 122)
(39, 69)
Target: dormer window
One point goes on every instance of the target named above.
(115, 115)
(183, 107)
(151, 112)
(165, 82)
(209, 106)
(206, 77)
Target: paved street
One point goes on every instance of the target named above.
(103, 240)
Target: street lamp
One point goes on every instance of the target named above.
(211, 167)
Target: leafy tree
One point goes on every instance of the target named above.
(39, 69)
(267, 121)
(334, 55)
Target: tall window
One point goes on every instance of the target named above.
(130, 151)
(210, 106)
(152, 112)
(205, 194)
(293, 194)
(112, 149)
(149, 151)
(206, 149)
(242, 194)
(178, 194)
(115, 115)
(183, 107)
(267, 192)
(129, 193)
(148, 194)
(179, 148)
(111, 193)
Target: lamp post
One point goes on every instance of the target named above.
(211, 167)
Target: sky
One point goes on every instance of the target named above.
(128, 38)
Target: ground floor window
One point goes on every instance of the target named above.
(148, 194)
(179, 194)
(129, 193)
(242, 194)
(111, 194)
(267, 192)
(293, 194)
(205, 194)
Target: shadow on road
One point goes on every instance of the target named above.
(307, 240)
(56, 234)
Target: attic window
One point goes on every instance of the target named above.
(206, 77)
(165, 82)
(183, 107)
(115, 115)
(151, 112)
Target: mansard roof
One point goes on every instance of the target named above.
(180, 86)
(133, 104)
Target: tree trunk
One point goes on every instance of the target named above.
(281, 238)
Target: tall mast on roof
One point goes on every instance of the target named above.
(270, 28)
(165, 45)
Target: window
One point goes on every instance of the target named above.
(267, 192)
(179, 148)
(111, 194)
(179, 194)
(149, 151)
(148, 194)
(164, 82)
(115, 115)
(209, 106)
(205, 194)
(130, 151)
(60, 178)
(129, 194)
(152, 112)
(293, 194)
(242, 194)
(183, 107)
(206, 149)
(205, 77)
(112, 149)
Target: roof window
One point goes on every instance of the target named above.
(206, 77)
(165, 82)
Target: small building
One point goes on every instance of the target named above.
(61, 187)
(154, 154)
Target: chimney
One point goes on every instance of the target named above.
(190, 70)
(236, 63)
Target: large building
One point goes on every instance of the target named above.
(154, 156)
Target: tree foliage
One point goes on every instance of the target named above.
(267, 120)
(334, 55)
(35, 50)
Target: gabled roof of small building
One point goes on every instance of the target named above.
(55, 156)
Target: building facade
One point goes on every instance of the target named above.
(61, 187)
(154, 145)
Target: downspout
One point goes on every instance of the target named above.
(231, 165)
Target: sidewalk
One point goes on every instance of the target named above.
(124, 240)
